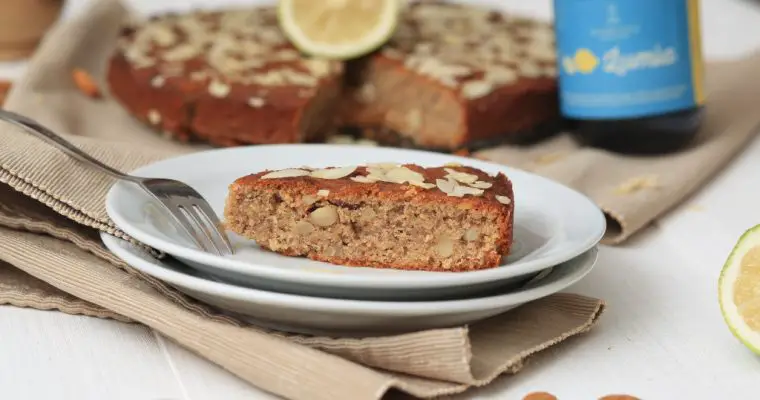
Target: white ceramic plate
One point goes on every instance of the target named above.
(318, 315)
(553, 224)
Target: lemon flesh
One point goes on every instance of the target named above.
(338, 29)
(739, 289)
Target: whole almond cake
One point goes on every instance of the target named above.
(451, 76)
(450, 218)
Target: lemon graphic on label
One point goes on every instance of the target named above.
(585, 61)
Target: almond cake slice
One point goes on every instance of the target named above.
(448, 218)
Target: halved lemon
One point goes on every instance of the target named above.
(739, 289)
(338, 29)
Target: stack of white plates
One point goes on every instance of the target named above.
(556, 232)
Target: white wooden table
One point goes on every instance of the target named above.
(662, 337)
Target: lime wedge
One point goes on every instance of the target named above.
(739, 289)
(338, 29)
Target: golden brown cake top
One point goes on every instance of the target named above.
(449, 183)
(223, 47)
(471, 48)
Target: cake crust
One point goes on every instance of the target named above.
(425, 219)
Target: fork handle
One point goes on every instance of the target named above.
(50, 137)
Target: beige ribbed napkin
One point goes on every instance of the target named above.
(51, 210)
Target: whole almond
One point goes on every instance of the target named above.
(85, 82)
(540, 396)
(324, 216)
(303, 228)
(471, 234)
(445, 246)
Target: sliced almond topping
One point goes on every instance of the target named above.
(285, 173)
(154, 117)
(424, 185)
(452, 164)
(323, 192)
(475, 89)
(362, 179)
(461, 191)
(446, 185)
(324, 216)
(404, 174)
(461, 176)
(218, 89)
(481, 184)
(256, 102)
(503, 199)
(157, 81)
(383, 165)
(333, 173)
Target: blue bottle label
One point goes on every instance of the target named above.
(628, 58)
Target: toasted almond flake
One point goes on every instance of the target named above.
(218, 89)
(154, 117)
(362, 179)
(256, 102)
(424, 185)
(285, 173)
(461, 176)
(333, 173)
(481, 185)
(157, 81)
(404, 174)
(323, 192)
(460, 191)
(383, 165)
(446, 185)
(476, 89)
(503, 199)
(452, 164)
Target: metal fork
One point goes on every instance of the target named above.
(188, 208)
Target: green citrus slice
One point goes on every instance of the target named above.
(739, 289)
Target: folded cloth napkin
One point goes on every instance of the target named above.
(52, 210)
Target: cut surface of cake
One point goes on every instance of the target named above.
(455, 74)
(224, 77)
(448, 218)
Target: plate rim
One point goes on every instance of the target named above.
(389, 281)
(366, 307)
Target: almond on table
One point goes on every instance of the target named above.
(385, 215)
(540, 396)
